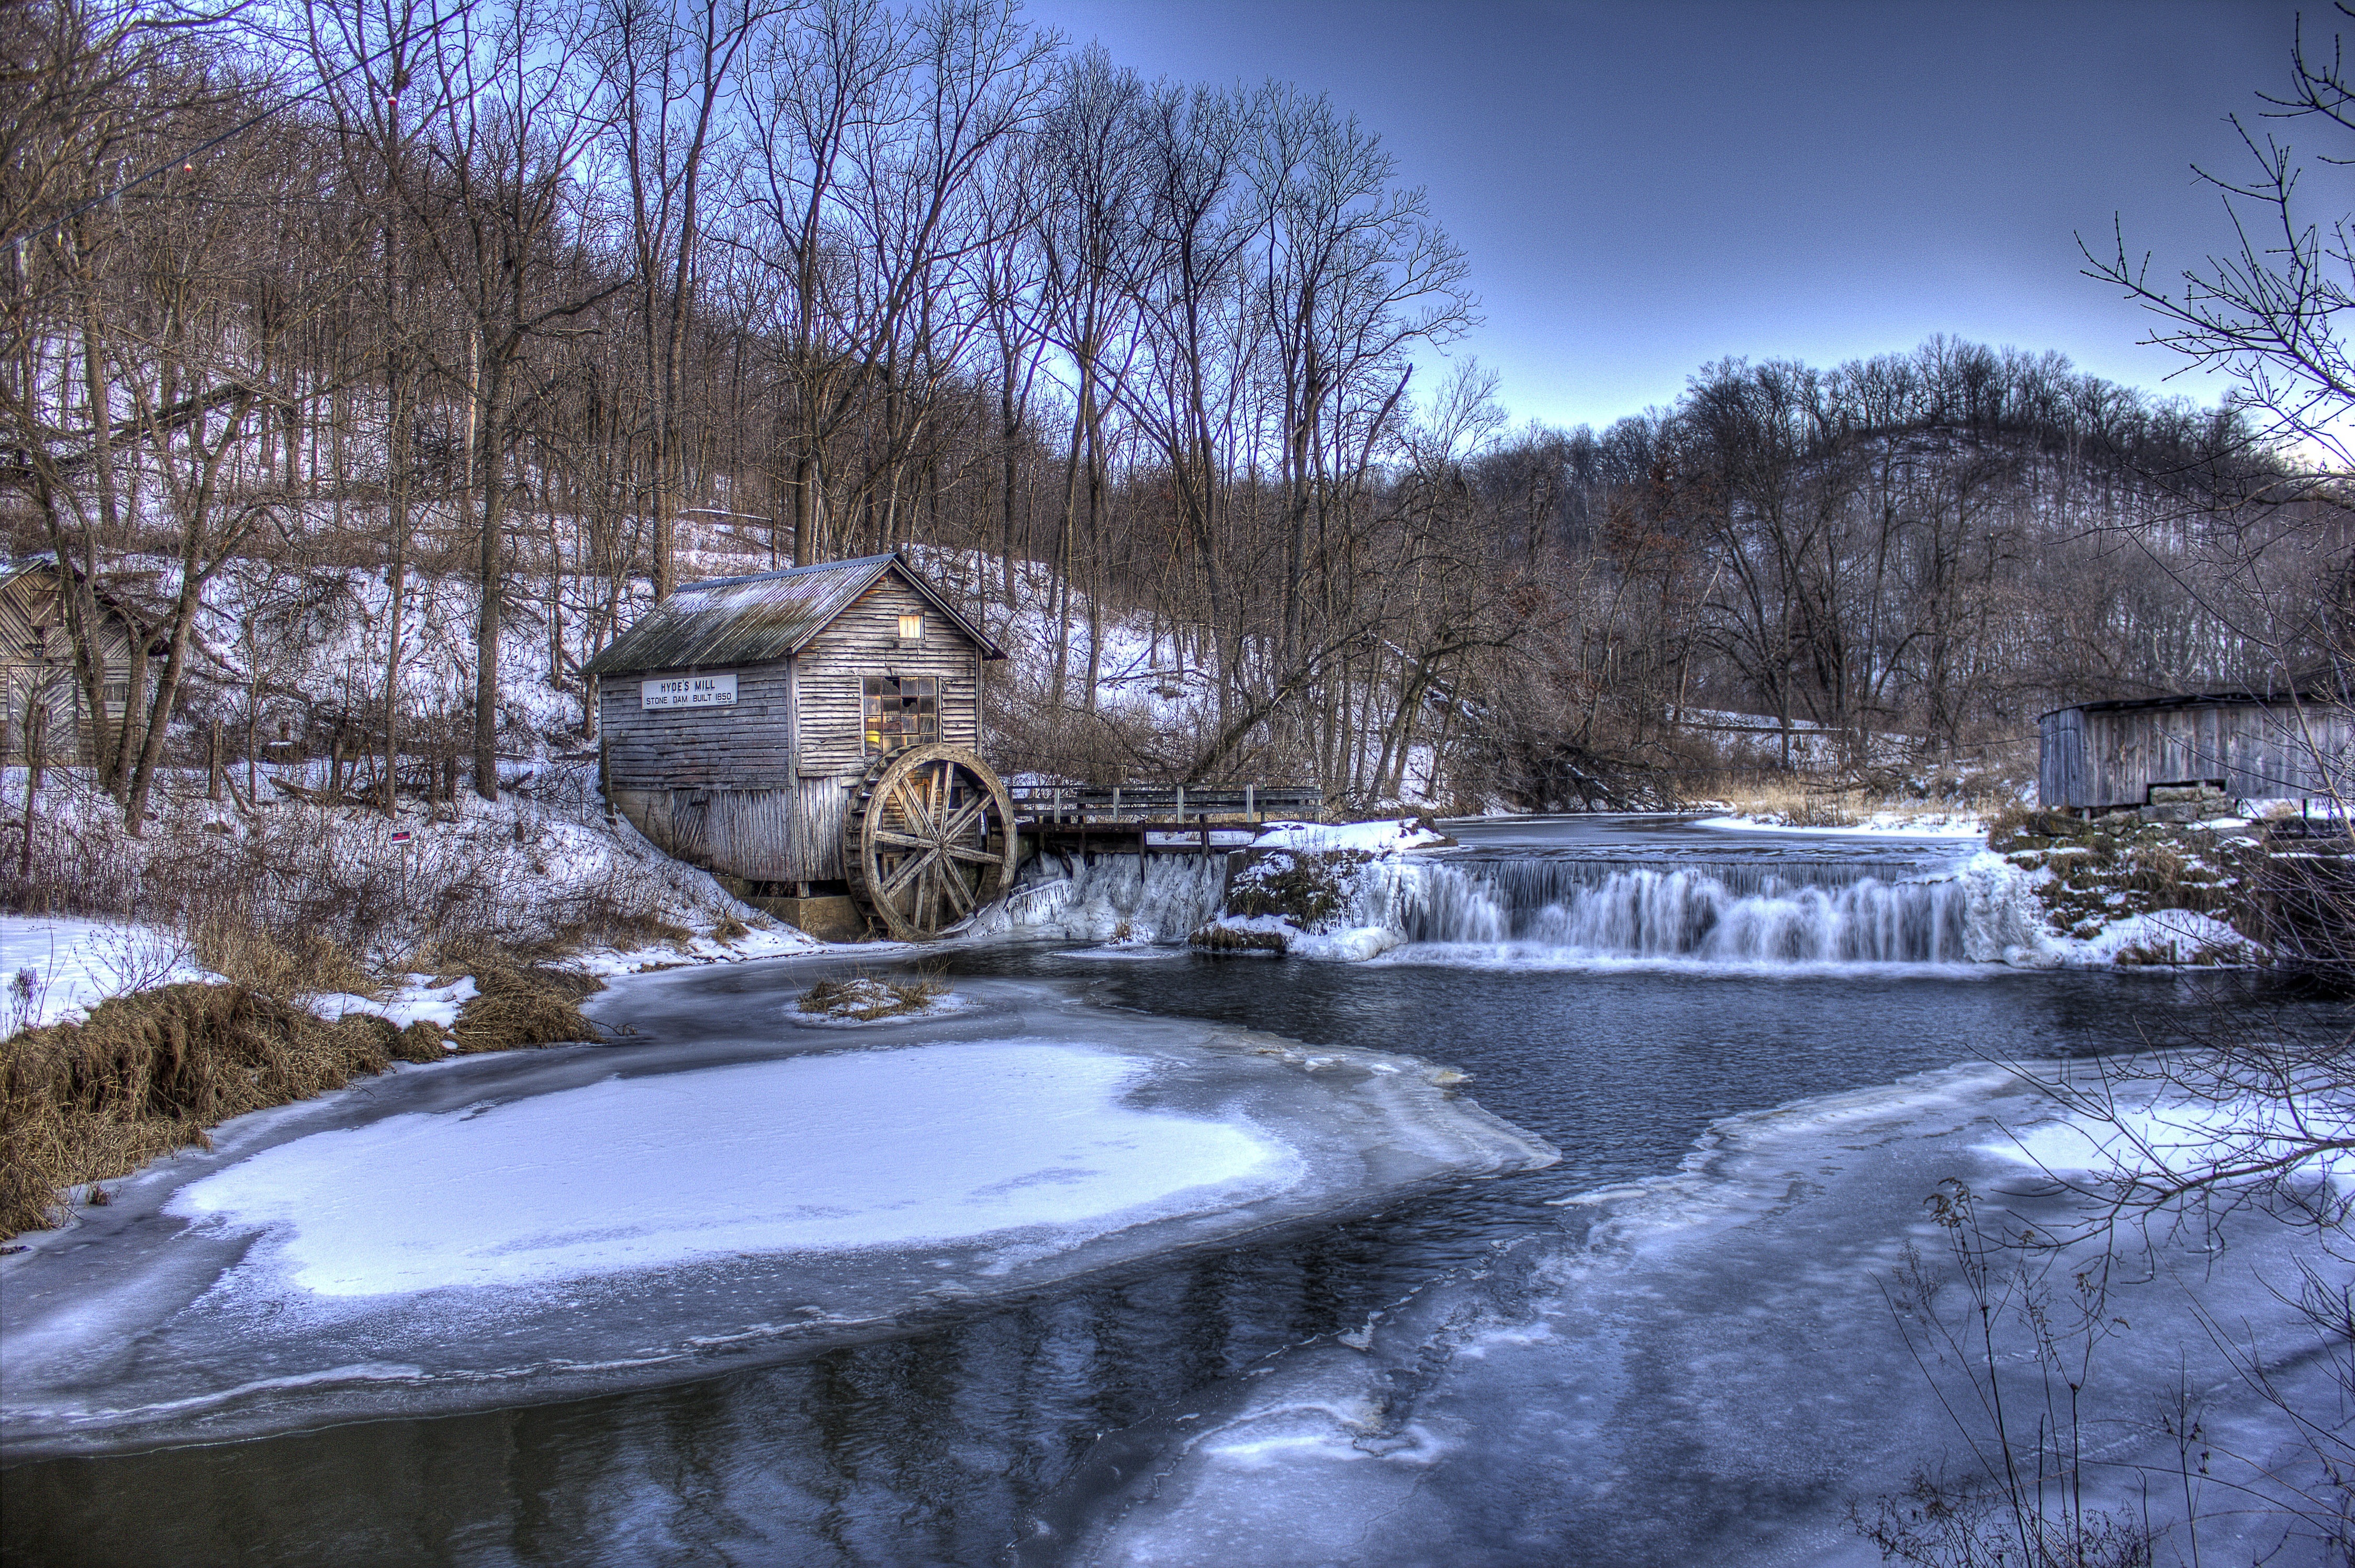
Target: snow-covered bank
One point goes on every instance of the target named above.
(1708, 1370)
(543, 865)
(56, 968)
(509, 1229)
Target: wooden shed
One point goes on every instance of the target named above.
(809, 737)
(2296, 743)
(37, 664)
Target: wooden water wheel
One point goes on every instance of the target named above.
(928, 839)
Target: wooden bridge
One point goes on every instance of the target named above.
(1164, 819)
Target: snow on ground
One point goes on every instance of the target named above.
(809, 1153)
(2162, 937)
(517, 869)
(416, 998)
(1925, 824)
(1386, 837)
(56, 968)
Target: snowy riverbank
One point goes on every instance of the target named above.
(510, 1229)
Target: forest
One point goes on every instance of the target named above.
(553, 307)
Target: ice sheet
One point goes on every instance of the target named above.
(861, 1149)
(1369, 838)
(1715, 1366)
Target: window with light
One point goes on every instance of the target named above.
(902, 712)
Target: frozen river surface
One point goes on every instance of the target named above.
(1151, 1317)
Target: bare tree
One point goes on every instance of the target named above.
(499, 211)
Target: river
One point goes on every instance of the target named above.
(1757, 1055)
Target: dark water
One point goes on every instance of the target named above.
(967, 1444)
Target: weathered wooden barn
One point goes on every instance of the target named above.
(2296, 743)
(37, 664)
(808, 736)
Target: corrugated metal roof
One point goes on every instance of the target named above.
(750, 620)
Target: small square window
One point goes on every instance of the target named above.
(911, 627)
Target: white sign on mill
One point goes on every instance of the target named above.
(688, 691)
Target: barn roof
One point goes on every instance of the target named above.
(769, 616)
(2323, 683)
(116, 594)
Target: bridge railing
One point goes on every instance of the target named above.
(1084, 805)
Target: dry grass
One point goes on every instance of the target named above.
(516, 1002)
(149, 1074)
(1802, 806)
(867, 998)
(313, 964)
(1230, 939)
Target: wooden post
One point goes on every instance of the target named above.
(1180, 813)
(213, 765)
(36, 736)
(1251, 806)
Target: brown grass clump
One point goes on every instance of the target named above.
(1306, 887)
(148, 1074)
(1217, 938)
(313, 964)
(867, 998)
(517, 1003)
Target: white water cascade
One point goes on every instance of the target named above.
(1721, 907)
(1757, 912)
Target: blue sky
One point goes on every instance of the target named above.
(1643, 188)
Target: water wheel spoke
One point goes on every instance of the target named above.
(926, 914)
(906, 870)
(961, 824)
(898, 840)
(971, 856)
(908, 796)
(952, 881)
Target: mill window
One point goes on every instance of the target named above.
(902, 710)
(911, 627)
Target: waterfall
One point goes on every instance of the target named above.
(1865, 907)
(1754, 912)
(1125, 898)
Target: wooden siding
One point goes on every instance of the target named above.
(788, 835)
(864, 640)
(2090, 758)
(36, 663)
(748, 745)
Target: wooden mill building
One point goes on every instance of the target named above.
(808, 736)
(36, 663)
(2295, 743)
